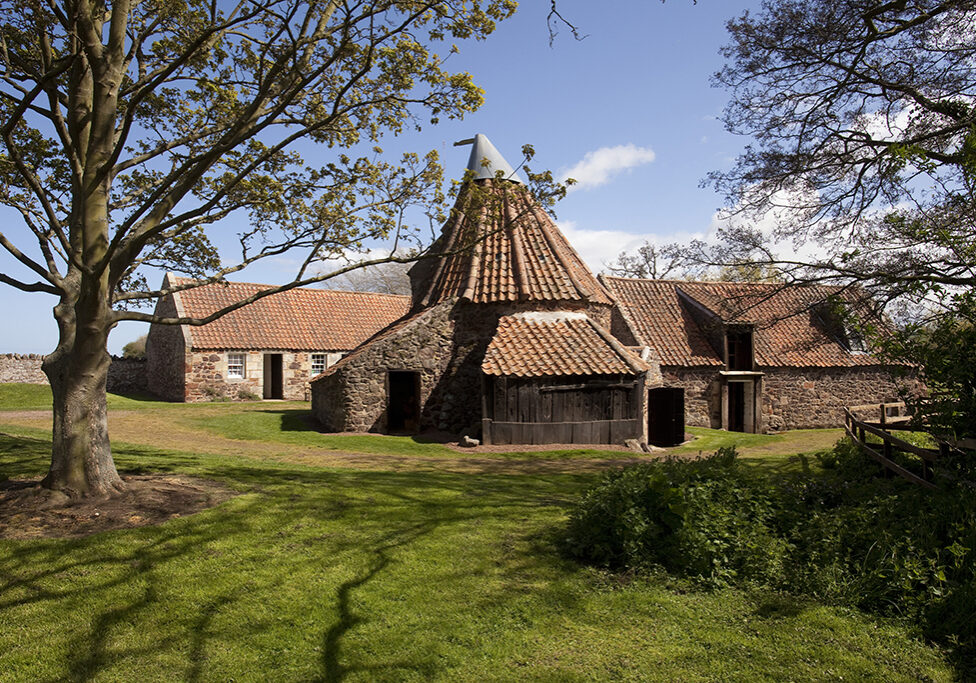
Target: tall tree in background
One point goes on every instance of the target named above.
(863, 114)
(863, 117)
(129, 129)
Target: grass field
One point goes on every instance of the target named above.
(367, 558)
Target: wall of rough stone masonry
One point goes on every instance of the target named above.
(805, 398)
(792, 398)
(353, 396)
(22, 368)
(166, 362)
(206, 378)
(446, 345)
(125, 375)
(702, 398)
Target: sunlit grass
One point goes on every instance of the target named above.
(329, 574)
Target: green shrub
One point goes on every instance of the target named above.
(843, 534)
(705, 519)
(245, 394)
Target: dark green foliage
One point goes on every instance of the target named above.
(707, 519)
(842, 534)
(944, 347)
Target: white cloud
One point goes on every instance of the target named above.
(600, 166)
(600, 247)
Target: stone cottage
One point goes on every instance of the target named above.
(508, 336)
(751, 357)
(268, 349)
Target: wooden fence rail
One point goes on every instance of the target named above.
(859, 429)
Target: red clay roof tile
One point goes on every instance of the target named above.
(788, 330)
(297, 319)
(546, 344)
(515, 253)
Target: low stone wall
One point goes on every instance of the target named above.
(125, 375)
(22, 368)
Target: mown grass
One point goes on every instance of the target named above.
(339, 575)
(291, 424)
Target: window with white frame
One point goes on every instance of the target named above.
(235, 365)
(318, 363)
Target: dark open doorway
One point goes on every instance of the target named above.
(737, 406)
(666, 416)
(273, 384)
(403, 401)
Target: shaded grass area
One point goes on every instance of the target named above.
(319, 574)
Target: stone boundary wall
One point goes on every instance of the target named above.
(22, 368)
(125, 375)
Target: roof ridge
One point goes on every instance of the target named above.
(293, 289)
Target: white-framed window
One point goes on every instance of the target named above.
(323, 361)
(235, 365)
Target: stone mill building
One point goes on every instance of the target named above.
(507, 338)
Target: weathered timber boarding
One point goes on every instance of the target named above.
(541, 410)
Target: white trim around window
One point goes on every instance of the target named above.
(236, 365)
(319, 363)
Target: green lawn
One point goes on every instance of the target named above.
(317, 573)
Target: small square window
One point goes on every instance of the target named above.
(318, 363)
(235, 365)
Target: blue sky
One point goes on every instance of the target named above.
(629, 110)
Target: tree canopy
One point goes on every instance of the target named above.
(131, 130)
(863, 116)
(864, 127)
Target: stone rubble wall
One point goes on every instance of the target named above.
(22, 368)
(807, 398)
(792, 398)
(206, 378)
(445, 345)
(353, 396)
(702, 397)
(166, 361)
(125, 375)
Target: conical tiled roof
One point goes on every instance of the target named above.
(501, 246)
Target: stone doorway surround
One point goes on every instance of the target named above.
(744, 416)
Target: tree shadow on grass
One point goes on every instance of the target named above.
(191, 588)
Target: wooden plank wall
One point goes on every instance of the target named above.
(595, 431)
(595, 409)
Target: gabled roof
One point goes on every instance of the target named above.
(502, 247)
(658, 320)
(789, 330)
(297, 320)
(539, 344)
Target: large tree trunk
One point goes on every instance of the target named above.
(81, 459)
